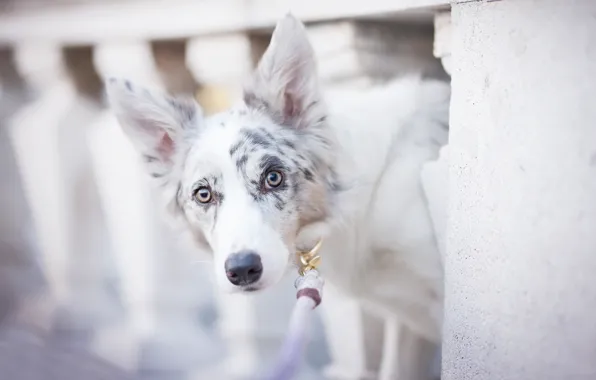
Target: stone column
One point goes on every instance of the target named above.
(220, 64)
(521, 242)
(127, 202)
(48, 136)
(22, 281)
(91, 305)
(35, 129)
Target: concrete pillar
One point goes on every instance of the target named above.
(521, 243)
(128, 206)
(220, 64)
(42, 67)
(22, 281)
(48, 137)
(90, 304)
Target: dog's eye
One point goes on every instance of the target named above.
(274, 179)
(203, 194)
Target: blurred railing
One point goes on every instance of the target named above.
(96, 227)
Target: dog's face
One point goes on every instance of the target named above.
(248, 180)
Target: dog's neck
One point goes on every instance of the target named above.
(309, 235)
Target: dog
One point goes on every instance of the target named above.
(290, 164)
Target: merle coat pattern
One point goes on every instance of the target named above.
(344, 166)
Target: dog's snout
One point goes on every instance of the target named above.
(244, 268)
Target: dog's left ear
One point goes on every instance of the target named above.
(155, 123)
(285, 82)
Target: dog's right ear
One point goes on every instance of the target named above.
(285, 82)
(155, 123)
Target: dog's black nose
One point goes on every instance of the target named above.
(244, 268)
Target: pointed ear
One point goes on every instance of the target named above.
(285, 82)
(155, 123)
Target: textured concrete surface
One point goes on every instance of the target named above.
(520, 293)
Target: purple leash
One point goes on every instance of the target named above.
(309, 288)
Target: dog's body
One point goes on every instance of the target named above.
(383, 249)
(288, 166)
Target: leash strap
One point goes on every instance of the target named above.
(309, 291)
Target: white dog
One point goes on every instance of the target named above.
(288, 166)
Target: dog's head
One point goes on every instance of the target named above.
(248, 180)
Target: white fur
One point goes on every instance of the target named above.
(384, 249)
(379, 243)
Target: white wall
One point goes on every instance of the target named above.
(521, 261)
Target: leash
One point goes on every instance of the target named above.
(309, 288)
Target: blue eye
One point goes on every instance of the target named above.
(274, 179)
(203, 194)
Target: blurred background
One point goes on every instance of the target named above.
(93, 284)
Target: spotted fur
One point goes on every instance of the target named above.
(350, 163)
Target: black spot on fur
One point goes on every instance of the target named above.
(257, 138)
(268, 134)
(308, 175)
(234, 148)
(157, 175)
(128, 85)
(257, 196)
(323, 141)
(270, 162)
(279, 202)
(289, 144)
(254, 102)
(219, 197)
(241, 162)
(251, 100)
(183, 107)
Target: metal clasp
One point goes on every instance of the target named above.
(309, 259)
